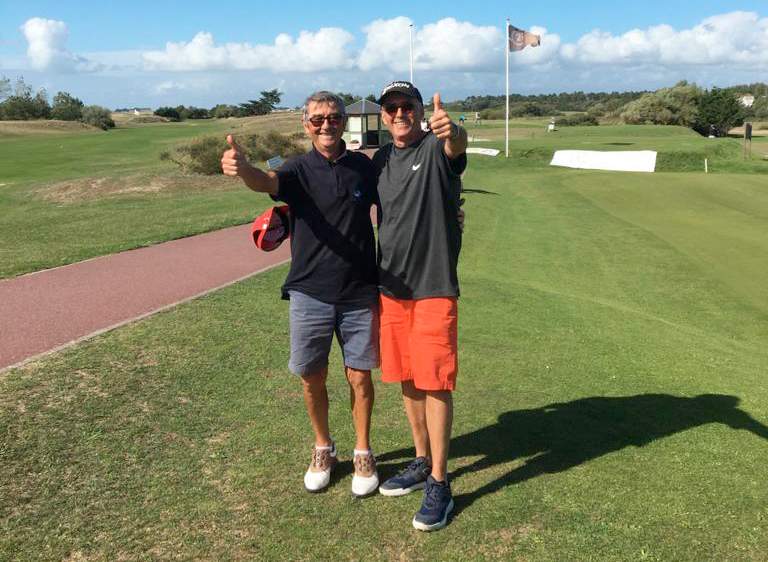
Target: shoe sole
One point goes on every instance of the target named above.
(402, 491)
(435, 526)
(361, 496)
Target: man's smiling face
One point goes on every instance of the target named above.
(324, 125)
(402, 116)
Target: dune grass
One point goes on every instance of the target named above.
(612, 403)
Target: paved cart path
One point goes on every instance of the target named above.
(44, 311)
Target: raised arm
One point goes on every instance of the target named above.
(443, 128)
(234, 163)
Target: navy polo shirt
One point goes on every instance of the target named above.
(332, 244)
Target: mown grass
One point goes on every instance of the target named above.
(39, 229)
(612, 403)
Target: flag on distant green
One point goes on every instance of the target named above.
(519, 39)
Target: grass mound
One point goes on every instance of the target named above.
(722, 155)
(42, 126)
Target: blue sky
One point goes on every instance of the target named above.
(193, 53)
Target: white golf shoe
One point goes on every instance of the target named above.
(318, 474)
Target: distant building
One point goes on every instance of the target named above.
(747, 100)
(134, 110)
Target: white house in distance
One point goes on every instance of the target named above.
(747, 100)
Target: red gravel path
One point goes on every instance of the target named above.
(44, 311)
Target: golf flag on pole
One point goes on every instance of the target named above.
(519, 39)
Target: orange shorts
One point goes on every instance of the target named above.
(419, 341)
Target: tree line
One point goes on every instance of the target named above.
(264, 105)
(19, 103)
(712, 111)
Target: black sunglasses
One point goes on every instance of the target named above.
(334, 119)
(392, 108)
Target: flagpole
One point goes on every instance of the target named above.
(411, 40)
(506, 120)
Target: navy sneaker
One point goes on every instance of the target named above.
(412, 478)
(437, 504)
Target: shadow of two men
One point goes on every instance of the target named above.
(560, 436)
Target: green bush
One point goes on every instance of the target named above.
(202, 155)
(493, 113)
(578, 119)
(168, 112)
(98, 117)
(259, 148)
(66, 107)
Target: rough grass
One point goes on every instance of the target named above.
(9, 129)
(90, 189)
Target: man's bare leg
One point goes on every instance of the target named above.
(439, 414)
(414, 401)
(316, 400)
(361, 396)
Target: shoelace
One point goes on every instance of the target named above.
(317, 458)
(414, 466)
(433, 495)
(363, 463)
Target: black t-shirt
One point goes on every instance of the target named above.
(332, 244)
(419, 234)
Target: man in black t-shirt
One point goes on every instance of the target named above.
(419, 187)
(332, 282)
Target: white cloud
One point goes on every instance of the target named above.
(446, 45)
(387, 45)
(327, 49)
(739, 38)
(169, 86)
(457, 58)
(47, 47)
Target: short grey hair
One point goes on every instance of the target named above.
(324, 97)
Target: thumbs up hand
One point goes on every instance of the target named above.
(233, 161)
(440, 122)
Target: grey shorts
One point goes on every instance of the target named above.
(313, 324)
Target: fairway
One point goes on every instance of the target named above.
(611, 405)
(67, 197)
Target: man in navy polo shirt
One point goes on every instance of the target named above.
(332, 282)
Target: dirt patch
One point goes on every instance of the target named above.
(130, 118)
(83, 189)
(759, 129)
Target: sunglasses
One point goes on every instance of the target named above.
(392, 108)
(333, 120)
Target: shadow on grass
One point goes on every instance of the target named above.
(464, 190)
(560, 436)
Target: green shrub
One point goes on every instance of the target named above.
(66, 107)
(260, 148)
(98, 117)
(168, 112)
(578, 119)
(202, 155)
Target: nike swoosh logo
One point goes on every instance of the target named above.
(416, 166)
